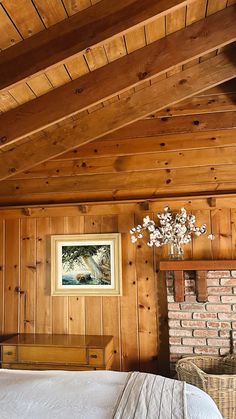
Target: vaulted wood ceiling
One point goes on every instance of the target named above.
(108, 100)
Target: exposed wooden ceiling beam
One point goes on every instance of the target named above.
(90, 27)
(89, 127)
(146, 63)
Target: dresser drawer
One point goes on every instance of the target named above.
(96, 357)
(52, 354)
(9, 353)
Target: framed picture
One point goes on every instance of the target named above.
(86, 264)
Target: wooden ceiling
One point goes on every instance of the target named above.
(106, 100)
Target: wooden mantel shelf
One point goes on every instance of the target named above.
(201, 267)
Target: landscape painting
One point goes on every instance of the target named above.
(86, 264)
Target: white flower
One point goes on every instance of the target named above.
(175, 228)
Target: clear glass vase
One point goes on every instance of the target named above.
(175, 251)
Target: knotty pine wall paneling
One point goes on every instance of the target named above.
(138, 319)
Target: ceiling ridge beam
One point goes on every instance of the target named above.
(87, 28)
(144, 64)
(91, 126)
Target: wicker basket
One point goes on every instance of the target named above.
(216, 376)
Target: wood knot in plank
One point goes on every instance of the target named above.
(142, 75)
(183, 81)
(3, 139)
(79, 90)
(26, 211)
(83, 208)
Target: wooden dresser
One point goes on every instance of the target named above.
(65, 352)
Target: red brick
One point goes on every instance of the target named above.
(192, 307)
(234, 290)
(206, 333)
(173, 306)
(219, 290)
(206, 350)
(190, 298)
(224, 351)
(234, 325)
(194, 342)
(213, 282)
(228, 281)
(207, 316)
(227, 316)
(174, 358)
(181, 350)
(218, 307)
(218, 342)
(174, 323)
(179, 315)
(233, 273)
(213, 299)
(180, 332)
(175, 341)
(234, 307)
(228, 299)
(219, 325)
(193, 324)
(218, 274)
(224, 333)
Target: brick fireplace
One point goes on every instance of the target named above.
(197, 328)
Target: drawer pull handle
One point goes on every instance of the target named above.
(8, 353)
(93, 356)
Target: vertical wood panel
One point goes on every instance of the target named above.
(129, 315)
(111, 305)
(233, 229)
(44, 299)
(202, 245)
(162, 315)
(2, 272)
(221, 228)
(12, 275)
(76, 313)
(59, 304)
(147, 313)
(93, 305)
(28, 274)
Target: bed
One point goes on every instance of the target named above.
(96, 395)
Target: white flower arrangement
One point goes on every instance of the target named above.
(175, 229)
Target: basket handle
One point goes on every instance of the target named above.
(196, 369)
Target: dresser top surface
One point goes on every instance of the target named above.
(91, 341)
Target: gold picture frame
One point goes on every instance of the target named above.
(86, 264)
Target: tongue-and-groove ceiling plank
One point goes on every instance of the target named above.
(144, 64)
(141, 179)
(89, 127)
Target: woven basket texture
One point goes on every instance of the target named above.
(216, 376)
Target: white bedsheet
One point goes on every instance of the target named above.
(77, 395)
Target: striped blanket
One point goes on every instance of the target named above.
(148, 396)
